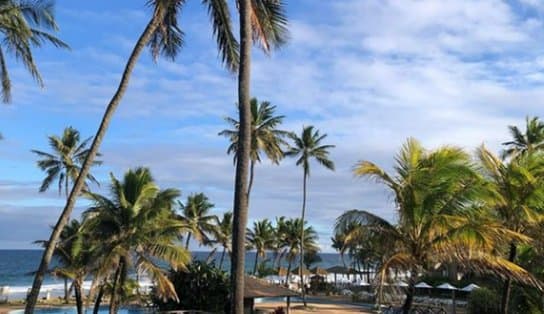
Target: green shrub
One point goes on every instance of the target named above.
(203, 287)
(483, 301)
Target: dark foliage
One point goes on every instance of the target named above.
(483, 301)
(203, 287)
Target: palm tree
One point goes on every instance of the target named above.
(260, 238)
(64, 164)
(138, 227)
(76, 259)
(74, 262)
(223, 235)
(307, 147)
(164, 37)
(261, 21)
(265, 137)
(436, 196)
(518, 190)
(523, 143)
(292, 242)
(195, 214)
(25, 24)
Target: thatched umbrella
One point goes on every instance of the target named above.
(259, 288)
(319, 271)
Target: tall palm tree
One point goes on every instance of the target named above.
(223, 235)
(64, 163)
(24, 25)
(195, 214)
(164, 37)
(523, 143)
(138, 226)
(308, 147)
(265, 137)
(518, 190)
(292, 242)
(263, 22)
(436, 197)
(260, 238)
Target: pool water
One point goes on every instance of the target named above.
(72, 310)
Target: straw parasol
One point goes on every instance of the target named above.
(305, 271)
(259, 288)
(319, 271)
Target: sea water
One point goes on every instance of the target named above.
(17, 269)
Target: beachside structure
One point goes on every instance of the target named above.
(258, 288)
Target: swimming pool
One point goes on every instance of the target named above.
(72, 310)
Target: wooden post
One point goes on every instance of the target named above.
(288, 304)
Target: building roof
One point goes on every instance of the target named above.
(258, 288)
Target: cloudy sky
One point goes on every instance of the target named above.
(369, 73)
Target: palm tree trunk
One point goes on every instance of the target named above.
(98, 299)
(91, 291)
(302, 237)
(187, 241)
(240, 211)
(222, 258)
(256, 261)
(508, 282)
(66, 290)
(79, 296)
(114, 287)
(251, 176)
(93, 150)
(288, 272)
(410, 292)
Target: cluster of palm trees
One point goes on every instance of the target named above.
(126, 224)
(452, 208)
(262, 22)
(282, 240)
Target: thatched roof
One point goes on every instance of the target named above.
(342, 270)
(282, 272)
(319, 271)
(305, 271)
(338, 270)
(258, 288)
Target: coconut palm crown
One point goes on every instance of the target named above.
(24, 25)
(195, 214)
(523, 143)
(64, 163)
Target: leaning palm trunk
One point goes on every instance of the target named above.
(410, 292)
(256, 262)
(508, 282)
(115, 289)
(98, 300)
(79, 296)
(80, 181)
(242, 164)
(187, 241)
(301, 263)
(222, 258)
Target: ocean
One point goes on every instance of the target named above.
(17, 267)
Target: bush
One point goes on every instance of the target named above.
(483, 301)
(203, 287)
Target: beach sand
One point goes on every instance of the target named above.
(315, 308)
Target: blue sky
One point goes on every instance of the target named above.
(370, 73)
